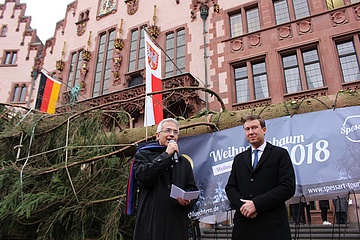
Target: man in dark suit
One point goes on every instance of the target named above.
(258, 194)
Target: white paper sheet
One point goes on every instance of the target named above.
(178, 192)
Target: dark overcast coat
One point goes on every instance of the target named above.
(160, 217)
(268, 186)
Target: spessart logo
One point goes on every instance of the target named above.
(351, 128)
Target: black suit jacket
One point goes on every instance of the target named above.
(268, 186)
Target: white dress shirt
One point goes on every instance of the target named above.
(260, 152)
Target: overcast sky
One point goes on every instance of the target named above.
(44, 15)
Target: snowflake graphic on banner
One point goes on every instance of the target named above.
(220, 195)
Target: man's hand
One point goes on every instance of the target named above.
(172, 147)
(183, 202)
(248, 209)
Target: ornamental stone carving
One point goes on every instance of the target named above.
(60, 65)
(81, 28)
(357, 12)
(305, 27)
(254, 40)
(86, 55)
(154, 31)
(116, 68)
(237, 45)
(60, 24)
(284, 32)
(132, 6)
(339, 18)
(119, 44)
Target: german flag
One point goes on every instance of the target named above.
(48, 94)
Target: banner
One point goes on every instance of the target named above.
(324, 147)
(48, 94)
(153, 104)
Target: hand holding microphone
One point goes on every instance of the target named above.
(175, 155)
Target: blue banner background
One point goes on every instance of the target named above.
(324, 147)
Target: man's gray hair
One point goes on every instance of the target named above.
(160, 126)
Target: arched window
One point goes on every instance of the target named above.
(176, 50)
(16, 93)
(19, 93)
(3, 30)
(23, 93)
(104, 63)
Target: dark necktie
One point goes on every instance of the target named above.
(256, 158)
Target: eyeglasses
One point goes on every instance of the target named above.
(169, 131)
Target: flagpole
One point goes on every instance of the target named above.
(146, 94)
(145, 119)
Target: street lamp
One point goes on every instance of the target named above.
(204, 13)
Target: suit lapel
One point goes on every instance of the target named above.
(248, 160)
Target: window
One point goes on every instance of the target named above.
(292, 74)
(136, 57)
(251, 81)
(241, 84)
(313, 73)
(252, 19)
(137, 50)
(108, 62)
(281, 11)
(301, 8)
(260, 80)
(175, 50)
(75, 68)
(3, 31)
(331, 4)
(23, 93)
(103, 64)
(236, 28)
(306, 61)
(16, 93)
(84, 16)
(70, 82)
(19, 93)
(136, 80)
(10, 57)
(348, 61)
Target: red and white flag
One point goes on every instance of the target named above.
(153, 103)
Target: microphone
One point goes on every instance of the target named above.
(175, 156)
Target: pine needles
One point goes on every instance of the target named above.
(62, 177)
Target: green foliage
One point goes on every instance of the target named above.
(61, 177)
(123, 117)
